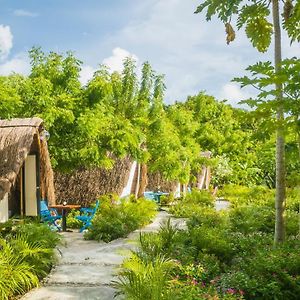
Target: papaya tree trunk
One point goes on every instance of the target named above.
(279, 235)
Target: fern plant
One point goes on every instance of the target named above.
(16, 275)
(33, 253)
(146, 279)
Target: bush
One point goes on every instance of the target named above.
(212, 266)
(200, 197)
(251, 218)
(72, 222)
(268, 274)
(26, 256)
(149, 280)
(208, 216)
(212, 241)
(247, 245)
(16, 275)
(117, 219)
(6, 228)
(292, 201)
(242, 195)
(192, 204)
(292, 223)
(166, 199)
(38, 233)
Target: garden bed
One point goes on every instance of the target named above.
(26, 256)
(227, 254)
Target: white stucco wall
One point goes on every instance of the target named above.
(127, 189)
(4, 209)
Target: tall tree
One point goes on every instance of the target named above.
(280, 155)
(253, 15)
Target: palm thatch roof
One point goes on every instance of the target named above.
(16, 139)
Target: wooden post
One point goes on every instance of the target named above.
(21, 193)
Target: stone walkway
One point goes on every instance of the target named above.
(86, 269)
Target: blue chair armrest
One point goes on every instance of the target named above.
(87, 210)
(83, 218)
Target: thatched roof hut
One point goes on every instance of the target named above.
(24, 165)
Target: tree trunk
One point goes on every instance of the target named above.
(201, 178)
(183, 189)
(138, 165)
(207, 178)
(143, 181)
(298, 134)
(280, 143)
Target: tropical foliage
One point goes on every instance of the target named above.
(221, 255)
(118, 217)
(118, 114)
(26, 256)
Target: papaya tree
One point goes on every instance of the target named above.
(253, 16)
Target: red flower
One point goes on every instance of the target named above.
(231, 291)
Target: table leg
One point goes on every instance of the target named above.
(64, 220)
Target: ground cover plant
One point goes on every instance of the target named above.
(26, 256)
(118, 217)
(222, 254)
(189, 204)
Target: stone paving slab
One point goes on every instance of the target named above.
(82, 274)
(72, 293)
(93, 253)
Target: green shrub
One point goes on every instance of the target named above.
(208, 216)
(188, 284)
(117, 219)
(251, 218)
(247, 245)
(212, 266)
(26, 256)
(192, 290)
(200, 197)
(16, 275)
(141, 210)
(166, 199)
(72, 222)
(6, 228)
(229, 254)
(293, 199)
(242, 195)
(185, 210)
(212, 241)
(149, 280)
(151, 246)
(192, 204)
(292, 223)
(40, 233)
(268, 274)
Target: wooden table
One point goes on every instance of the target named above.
(64, 209)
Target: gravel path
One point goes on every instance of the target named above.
(86, 268)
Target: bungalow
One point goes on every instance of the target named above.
(26, 175)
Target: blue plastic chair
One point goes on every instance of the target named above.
(86, 216)
(49, 216)
(150, 196)
(154, 196)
